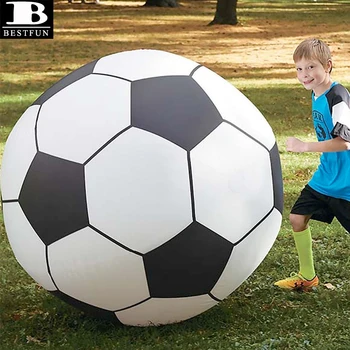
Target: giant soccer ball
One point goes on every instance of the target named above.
(142, 188)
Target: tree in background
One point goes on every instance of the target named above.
(162, 3)
(226, 12)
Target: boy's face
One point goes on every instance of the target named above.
(313, 75)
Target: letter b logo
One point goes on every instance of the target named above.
(23, 12)
(31, 19)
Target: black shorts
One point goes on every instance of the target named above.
(322, 208)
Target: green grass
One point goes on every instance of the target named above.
(256, 315)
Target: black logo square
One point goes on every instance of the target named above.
(26, 19)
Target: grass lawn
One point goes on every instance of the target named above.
(255, 56)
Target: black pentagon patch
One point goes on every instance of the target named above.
(53, 197)
(189, 264)
(277, 178)
(65, 81)
(86, 308)
(173, 107)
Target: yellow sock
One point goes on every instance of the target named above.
(303, 242)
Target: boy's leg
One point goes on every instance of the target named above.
(310, 204)
(303, 243)
(306, 277)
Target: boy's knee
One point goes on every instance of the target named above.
(298, 222)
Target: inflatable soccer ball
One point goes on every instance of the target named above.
(142, 188)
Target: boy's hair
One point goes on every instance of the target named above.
(313, 49)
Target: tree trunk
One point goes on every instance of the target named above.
(162, 3)
(226, 12)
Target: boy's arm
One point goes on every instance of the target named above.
(334, 145)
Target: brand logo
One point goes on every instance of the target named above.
(320, 125)
(26, 19)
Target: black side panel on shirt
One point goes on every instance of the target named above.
(337, 95)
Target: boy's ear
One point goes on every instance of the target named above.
(329, 66)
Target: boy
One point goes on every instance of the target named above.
(327, 195)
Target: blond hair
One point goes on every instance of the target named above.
(313, 49)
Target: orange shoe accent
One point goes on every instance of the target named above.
(298, 282)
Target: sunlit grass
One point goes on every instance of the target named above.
(256, 57)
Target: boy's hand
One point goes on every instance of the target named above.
(295, 145)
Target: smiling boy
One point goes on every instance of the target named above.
(327, 195)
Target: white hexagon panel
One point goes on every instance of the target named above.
(14, 170)
(127, 65)
(215, 161)
(141, 188)
(67, 108)
(93, 273)
(149, 168)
